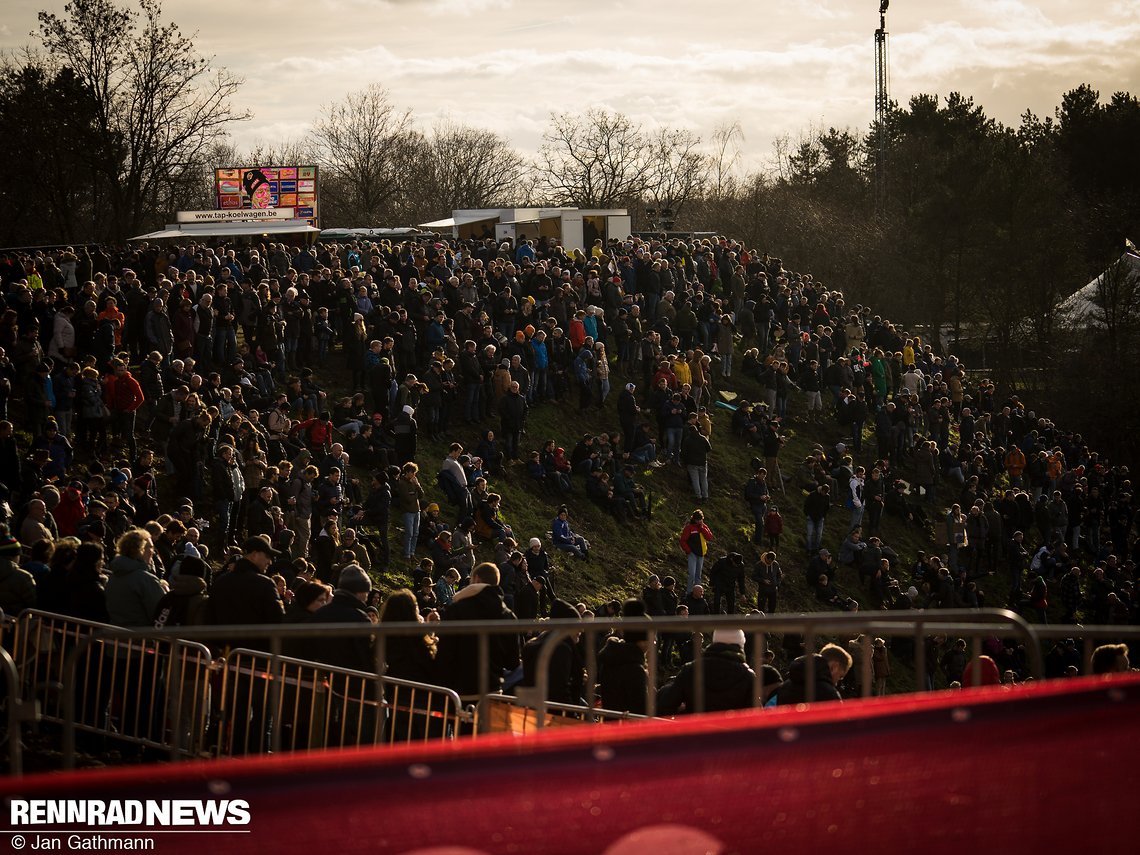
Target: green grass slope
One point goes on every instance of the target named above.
(624, 554)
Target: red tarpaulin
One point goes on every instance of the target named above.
(1048, 768)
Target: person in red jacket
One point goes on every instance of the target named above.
(695, 538)
(123, 396)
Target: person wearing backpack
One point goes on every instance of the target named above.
(185, 603)
(695, 538)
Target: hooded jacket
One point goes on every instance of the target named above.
(728, 683)
(133, 592)
(794, 689)
(17, 588)
(184, 604)
(244, 595)
(622, 677)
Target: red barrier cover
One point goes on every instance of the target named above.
(1047, 768)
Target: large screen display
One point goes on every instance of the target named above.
(262, 187)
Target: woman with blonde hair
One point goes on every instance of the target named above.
(133, 591)
(601, 373)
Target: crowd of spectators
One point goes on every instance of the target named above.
(181, 457)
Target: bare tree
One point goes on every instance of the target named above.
(473, 168)
(727, 140)
(677, 168)
(593, 161)
(159, 104)
(364, 142)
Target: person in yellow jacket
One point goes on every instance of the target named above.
(682, 371)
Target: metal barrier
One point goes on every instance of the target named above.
(915, 626)
(1089, 637)
(285, 704)
(140, 690)
(162, 689)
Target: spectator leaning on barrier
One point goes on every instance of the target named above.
(133, 591)
(17, 586)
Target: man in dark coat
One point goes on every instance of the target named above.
(512, 420)
(457, 657)
(726, 577)
(831, 665)
(245, 595)
(347, 606)
(622, 676)
(566, 672)
(728, 679)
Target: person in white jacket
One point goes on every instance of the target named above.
(855, 497)
(62, 345)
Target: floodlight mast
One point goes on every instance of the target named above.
(882, 100)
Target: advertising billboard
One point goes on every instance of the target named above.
(265, 187)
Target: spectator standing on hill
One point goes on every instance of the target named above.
(727, 577)
(695, 539)
(407, 498)
(695, 449)
(816, 507)
(769, 577)
(512, 421)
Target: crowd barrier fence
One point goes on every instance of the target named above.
(164, 690)
(297, 705)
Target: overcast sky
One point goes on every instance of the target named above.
(777, 68)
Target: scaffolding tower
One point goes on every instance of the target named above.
(882, 100)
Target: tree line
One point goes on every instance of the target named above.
(942, 217)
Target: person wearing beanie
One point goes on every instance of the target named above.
(17, 586)
(622, 675)
(347, 606)
(185, 603)
(567, 672)
(728, 679)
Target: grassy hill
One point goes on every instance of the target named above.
(624, 554)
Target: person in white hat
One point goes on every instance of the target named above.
(727, 679)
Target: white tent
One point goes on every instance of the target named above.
(1082, 308)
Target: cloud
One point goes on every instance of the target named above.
(451, 7)
(777, 68)
(820, 10)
